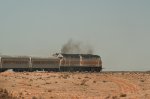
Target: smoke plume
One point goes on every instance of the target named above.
(75, 47)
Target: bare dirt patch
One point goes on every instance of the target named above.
(65, 85)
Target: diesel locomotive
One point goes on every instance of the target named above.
(59, 62)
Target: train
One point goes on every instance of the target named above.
(59, 62)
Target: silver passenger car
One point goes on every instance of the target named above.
(45, 63)
(15, 62)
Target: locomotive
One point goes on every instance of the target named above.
(59, 62)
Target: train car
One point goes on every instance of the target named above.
(61, 62)
(15, 63)
(79, 62)
(91, 62)
(69, 62)
(46, 64)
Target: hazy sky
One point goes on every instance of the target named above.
(118, 30)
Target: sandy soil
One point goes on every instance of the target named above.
(65, 85)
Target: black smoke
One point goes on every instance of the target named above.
(76, 47)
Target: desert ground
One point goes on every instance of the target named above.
(74, 85)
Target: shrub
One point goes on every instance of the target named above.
(123, 95)
(34, 97)
(94, 81)
(142, 80)
(83, 82)
(49, 90)
(115, 97)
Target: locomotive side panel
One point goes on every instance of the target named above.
(91, 62)
(75, 62)
(70, 62)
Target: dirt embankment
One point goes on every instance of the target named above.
(65, 85)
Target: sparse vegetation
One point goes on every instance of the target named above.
(142, 80)
(27, 73)
(123, 95)
(48, 83)
(104, 81)
(5, 91)
(56, 82)
(51, 97)
(4, 94)
(108, 97)
(94, 81)
(83, 82)
(86, 77)
(79, 78)
(34, 97)
(1, 90)
(40, 77)
(29, 84)
(49, 90)
(73, 85)
(64, 76)
(115, 97)
(122, 73)
(20, 93)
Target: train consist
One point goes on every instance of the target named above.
(60, 62)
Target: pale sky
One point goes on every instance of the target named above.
(118, 30)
